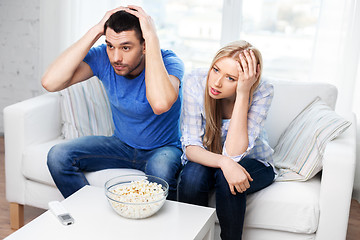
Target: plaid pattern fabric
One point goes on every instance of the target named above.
(193, 118)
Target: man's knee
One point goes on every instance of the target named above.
(57, 156)
(167, 155)
(166, 160)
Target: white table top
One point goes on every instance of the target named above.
(95, 219)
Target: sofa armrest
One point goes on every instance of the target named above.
(337, 184)
(32, 121)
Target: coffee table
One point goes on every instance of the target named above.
(95, 219)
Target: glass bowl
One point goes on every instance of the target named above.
(136, 196)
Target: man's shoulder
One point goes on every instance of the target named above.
(167, 51)
(173, 64)
(168, 54)
(99, 48)
(96, 52)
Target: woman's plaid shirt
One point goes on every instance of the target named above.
(193, 118)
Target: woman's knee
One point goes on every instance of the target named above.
(194, 178)
(195, 183)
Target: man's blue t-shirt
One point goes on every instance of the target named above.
(135, 122)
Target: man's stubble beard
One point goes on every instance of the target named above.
(128, 74)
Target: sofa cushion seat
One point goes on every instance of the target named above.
(285, 206)
(34, 159)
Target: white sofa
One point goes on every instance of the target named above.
(315, 209)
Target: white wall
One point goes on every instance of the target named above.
(19, 52)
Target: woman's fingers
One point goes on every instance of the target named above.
(240, 188)
(248, 62)
(244, 64)
(254, 62)
(232, 189)
(239, 68)
(247, 174)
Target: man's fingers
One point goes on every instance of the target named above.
(133, 12)
(117, 9)
(136, 8)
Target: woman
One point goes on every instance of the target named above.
(223, 136)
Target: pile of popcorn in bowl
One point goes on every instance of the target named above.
(136, 196)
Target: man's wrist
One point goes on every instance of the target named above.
(151, 39)
(97, 31)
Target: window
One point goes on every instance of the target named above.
(192, 29)
(284, 31)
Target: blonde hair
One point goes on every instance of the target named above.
(213, 111)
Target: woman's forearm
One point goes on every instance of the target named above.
(202, 156)
(237, 139)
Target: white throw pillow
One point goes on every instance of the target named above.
(299, 151)
(85, 110)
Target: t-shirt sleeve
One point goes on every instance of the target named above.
(173, 64)
(96, 58)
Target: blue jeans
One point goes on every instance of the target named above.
(197, 182)
(68, 161)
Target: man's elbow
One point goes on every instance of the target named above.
(45, 83)
(160, 108)
(49, 84)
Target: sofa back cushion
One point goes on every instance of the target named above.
(301, 147)
(85, 110)
(290, 98)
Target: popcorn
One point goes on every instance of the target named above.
(138, 199)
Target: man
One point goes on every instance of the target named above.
(142, 82)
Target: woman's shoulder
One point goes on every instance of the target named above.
(265, 88)
(196, 74)
(195, 80)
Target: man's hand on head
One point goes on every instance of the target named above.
(146, 22)
(108, 14)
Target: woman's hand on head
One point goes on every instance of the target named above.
(248, 70)
(236, 176)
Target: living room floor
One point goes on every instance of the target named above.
(30, 212)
